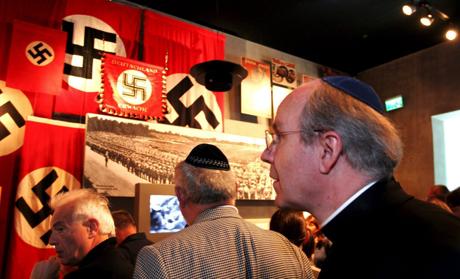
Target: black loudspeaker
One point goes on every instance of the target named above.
(218, 75)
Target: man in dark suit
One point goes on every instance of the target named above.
(129, 241)
(81, 229)
(332, 153)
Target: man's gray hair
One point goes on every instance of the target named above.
(205, 186)
(85, 204)
(371, 143)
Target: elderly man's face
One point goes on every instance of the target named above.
(292, 162)
(71, 239)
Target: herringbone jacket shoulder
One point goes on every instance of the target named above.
(220, 244)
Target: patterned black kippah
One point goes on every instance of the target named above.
(208, 156)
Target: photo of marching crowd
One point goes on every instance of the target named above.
(120, 153)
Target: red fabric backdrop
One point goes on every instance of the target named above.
(186, 45)
(50, 162)
(101, 26)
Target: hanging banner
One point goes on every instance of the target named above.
(189, 104)
(46, 13)
(15, 107)
(58, 168)
(283, 73)
(94, 27)
(36, 58)
(132, 88)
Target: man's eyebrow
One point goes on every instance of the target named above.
(274, 127)
(58, 223)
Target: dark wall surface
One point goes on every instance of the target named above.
(429, 81)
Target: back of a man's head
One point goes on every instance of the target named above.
(124, 224)
(122, 219)
(84, 204)
(205, 176)
(353, 109)
(453, 198)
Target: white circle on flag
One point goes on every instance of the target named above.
(17, 108)
(31, 235)
(80, 23)
(39, 53)
(134, 87)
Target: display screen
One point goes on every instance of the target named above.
(165, 214)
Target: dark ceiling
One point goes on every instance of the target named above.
(347, 35)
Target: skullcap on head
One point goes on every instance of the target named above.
(357, 89)
(208, 156)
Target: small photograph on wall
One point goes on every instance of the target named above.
(256, 92)
(121, 152)
(283, 73)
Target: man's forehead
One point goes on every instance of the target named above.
(289, 111)
(60, 214)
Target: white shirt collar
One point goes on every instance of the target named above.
(347, 202)
(230, 206)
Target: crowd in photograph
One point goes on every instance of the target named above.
(155, 162)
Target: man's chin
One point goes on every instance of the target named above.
(279, 202)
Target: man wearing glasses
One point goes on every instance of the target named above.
(332, 153)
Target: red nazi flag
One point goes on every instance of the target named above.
(59, 167)
(36, 58)
(190, 103)
(94, 27)
(132, 88)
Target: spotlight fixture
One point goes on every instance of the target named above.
(409, 8)
(427, 19)
(451, 34)
(429, 13)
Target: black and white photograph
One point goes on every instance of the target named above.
(121, 152)
(165, 215)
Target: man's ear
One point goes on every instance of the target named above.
(331, 148)
(180, 196)
(93, 227)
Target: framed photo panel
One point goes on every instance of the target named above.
(121, 152)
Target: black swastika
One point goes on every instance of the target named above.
(87, 51)
(9, 108)
(39, 52)
(187, 115)
(35, 218)
(132, 89)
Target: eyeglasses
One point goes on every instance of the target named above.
(274, 138)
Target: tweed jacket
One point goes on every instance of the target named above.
(386, 233)
(220, 244)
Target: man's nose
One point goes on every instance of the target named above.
(267, 156)
(52, 240)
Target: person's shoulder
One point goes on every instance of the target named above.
(428, 221)
(265, 235)
(137, 238)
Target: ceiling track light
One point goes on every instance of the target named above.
(451, 33)
(427, 19)
(409, 8)
(429, 13)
